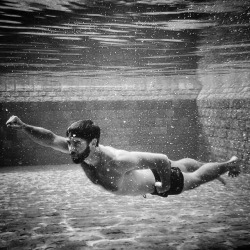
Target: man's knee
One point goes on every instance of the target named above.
(187, 165)
(191, 181)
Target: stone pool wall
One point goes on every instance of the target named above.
(224, 116)
(136, 114)
(205, 117)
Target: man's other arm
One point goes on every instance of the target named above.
(143, 160)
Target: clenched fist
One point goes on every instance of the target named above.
(15, 122)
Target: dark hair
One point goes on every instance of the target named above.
(85, 129)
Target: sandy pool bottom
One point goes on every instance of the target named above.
(56, 207)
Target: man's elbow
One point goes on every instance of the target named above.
(165, 164)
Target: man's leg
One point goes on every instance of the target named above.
(187, 165)
(209, 172)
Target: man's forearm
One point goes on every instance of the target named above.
(39, 135)
(164, 170)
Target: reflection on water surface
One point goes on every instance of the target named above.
(129, 38)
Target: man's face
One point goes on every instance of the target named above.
(78, 148)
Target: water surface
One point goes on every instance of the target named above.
(123, 38)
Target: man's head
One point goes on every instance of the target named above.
(81, 135)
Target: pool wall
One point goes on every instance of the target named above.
(140, 116)
(204, 117)
(224, 116)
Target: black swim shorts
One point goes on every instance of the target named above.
(176, 182)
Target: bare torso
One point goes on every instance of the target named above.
(112, 177)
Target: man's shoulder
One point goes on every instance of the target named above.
(126, 155)
(112, 152)
(111, 149)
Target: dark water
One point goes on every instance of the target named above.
(129, 38)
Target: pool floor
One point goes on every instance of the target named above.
(57, 207)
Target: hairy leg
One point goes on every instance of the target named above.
(209, 172)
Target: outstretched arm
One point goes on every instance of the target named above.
(40, 135)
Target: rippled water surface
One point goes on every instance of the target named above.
(129, 38)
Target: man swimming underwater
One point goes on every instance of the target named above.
(123, 172)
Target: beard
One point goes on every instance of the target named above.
(79, 158)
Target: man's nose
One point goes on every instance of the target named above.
(73, 152)
(72, 149)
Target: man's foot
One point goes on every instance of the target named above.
(234, 165)
(233, 159)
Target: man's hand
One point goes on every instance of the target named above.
(15, 122)
(163, 185)
(160, 188)
(163, 168)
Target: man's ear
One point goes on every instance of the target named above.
(93, 143)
